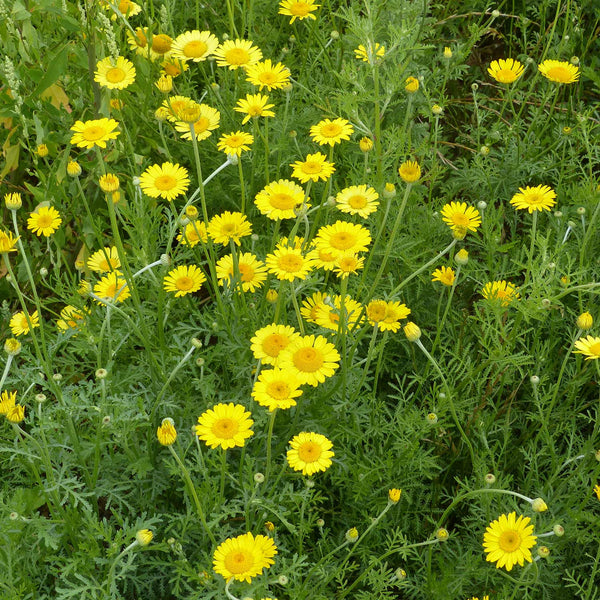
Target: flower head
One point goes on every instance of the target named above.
(7, 242)
(298, 9)
(269, 75)
(165, 181)
(16, 414)
(254, 105)
(184, 280)
(224, 425)
(507, 541)
(229, 226)
(410, 171)
(235, 142)
(71, 318)
(94, 133)
(252, 272)
(310, 453)
(331, 132)
(280, 199)
(372, 54)
(394, 495)
(357, 200)
(276, 389)
(315, 167)
(461, 217)
(444, 275)
(194, 45)
(343, 238)
(143, 537)
(237, 53)
(505, 70)
(588, 346)
(289, 263)
(112, 287)
(585, 321)
(206, 120)
(559, 71)
(244, 557)
(192, 233)
(104, 260)
(312, 358)
(45, 221)
(541, 197)
(7, 401)
(12, 346)
(502, 292)
(13, 201)
(411, 85)
(412, 331)
(109, 183)
(327, 314)
(115, 74)
(387, 315)
(166, 433)
(268, 342)
(19, 325)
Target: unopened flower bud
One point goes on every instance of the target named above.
(42, 150)
(482, 205)
(106, 420)
(269, 526)
(543, 552)
(558, 530)
(447, 53)
(366, 144)
(389, 191)
(334, 35)
(400, 574)
(484, 150)
(259, 477)
(12, 346)
(272, 296)
(73, 168)
(166, 433)
(574, 60)
(432, 418)
(538, 505)
(40, 398)
(43, 271)
(196, 343)
(437, 110)
(442, 534)
(495, 13)
(144, 537)
(57, 377)
(352, 535)
(490, 479)
(394, 495)
(462, 257)
(412, 331)
(200, 361)
(534, 379)
(101, 374)
(320, 523)
(13, 201)
(282, 580)
(581, 210)
(585, 321)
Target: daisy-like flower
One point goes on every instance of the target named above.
(387, 315)
(192, 233)
(327, 314)
(444, 275)
(505, 70)
(138, 41)
(94, 133)
(112, 287)
(165, 181)
(310, 453)
(7, 401)
(371, 54)
(312, 305)
(559, 71)
(229, 226)
(343, 238)
(161, 46)
(325, 260)
(16, 414)
(410, 171)
(460, 217)
(115, 74)
(166, 433)
(194, 45)
(235, 142)
(315, 167)
(208, 120)
(224, 425)
(502, 291)
(244, 557)
(18, 323)
(104, 260)
(276, 388)
(597, 491)
(588, 346)
(411, 85)
(312, 358)
(253, 272)
(298, 9)
(71, 317)
(268, 342)
(357, 200)
(540, 197)
(507, 541)
(184, 280)
(44, 221)
(7, 242)
(254, 105)
(126, 7)
(173, 67)
(347, 264)
(280, 199)
(269, 75)
(289, 264)
(237, 53)
(331, 132)
(175, 105)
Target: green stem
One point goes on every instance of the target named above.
(269, 442)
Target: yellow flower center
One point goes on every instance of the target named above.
(509, 541)
(195, 49)
(331, 130)
(311, 167)
(291, 263)
(326, 256)
(559, 73)
(239, 562)
(278, 390)
(110, 290)
(44, 221)
(201, 125)
(225, 428)
(348, 263)
(357, 201)
(282, 201)
(273, 344)
(505, 76)
(161, 43)
(164, 183)
(254, 110)
(115, 75)
(93, 133)
(342, 240)
(376, 312)
(534, 198)
(309, 452)
(171, 69)
(237, 56)
(228, 228)
(267, 77)
(308, 360)
(460, 219)
(235, 141)
(177, 106)
(594, 349)
(184, 283)
(246, 272)
(108, 265)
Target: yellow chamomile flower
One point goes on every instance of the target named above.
(208, 119)
(508, 540)
(192, 233)
(184, 280)
(444, 275)
(559, 71)
(143, 537)
(310, 453)
(502, 292)
(276, 389)
(410, 171)
(298, 9)
(357, 200)
(252, 272)
(289, 263)
(229, 226)
(269, 75)
(109, 183)
(244, 557)
(343, 238)
(411, 85)
(45, 221)
(585, 321)
(254, 105)
(394, 495)
(237, 53)
(280, 199)
(235, 142)
(365, 144)
(268, 342)
(460, 217)
(194, 45)
(13, 201)
(7, 242)
(104, 260)
(327, 314)
(588, 346)
(331, 132)
(20, 326)
(315, 167)
(166, 433)
(112, 287)
(224, 425)
(42, 150)
(165, 181)
(115, 74)
(505, 70)
(312, 358)
(412, 331)
(7, 401)
(94, 133)
(387, 315)
(371, 53)
(540, 197)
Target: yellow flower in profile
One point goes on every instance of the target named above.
(224, 425)
(343, 238)
(315, 167)
(115, 74)
(173, 67)
(254, 105)
(104, 260)
(42, 150)
(165, 181)
(298, 9)
(507, 541)
(357, 200)
(365, 144)
(138, 41)
(444, 275)
(502, 291)
(194, 45)
(45, 221)
(348, 264)
(276, 389)
(410, 171)
(312, 358)
(252, 272)
(174, 106)
(411, 85)
(229, 226)
(327, 314)
(13, 201)
(161, 46)
(585, 321)
(412, 331)
(71, 317)
(331, 132)
(541, 197)
(559, 71)
(126, 7)
(184, 280)
(18, 323)
(268, 342)
(73, 168)
(166, 433)
(192, 233)
(109, 183)
(387, 315)
(244, 557)
(7, 242)
(289, 264)
(237, 53)
(280, 200)
(325, 260)
(459, 216)
(505, 70)
(12, 346)
(208, 120)
(16, 414)
(394, 495)
(371, 54)
(588, 346)
(94, 133)
(269, 75)
(310, 453)
(7, 401)
(312, 305)
(235, 142)
(112, 287)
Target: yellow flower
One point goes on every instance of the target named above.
(507, 541)
(410, 171)
(254, 105)
(460, 217)
(235, 142)
(357, 200)
(207, 121)
(347, 264)
(276, 388)
(16, 414)
(173, 67)
(312, 358)
(166, 181)
(280, 200)
(585, 321)
(42, 150)
(559, 71)
(166, 433)
(94, 133)
(315, 167)
(13, 201)
(12, 346)
(161, 46)
(387, 315)
(7, 242)
(229, 226)
(371, 54)
(596, 490)
(505, 70)
(331, 132)
(143, 537)
(588, 346)
(7, 401)
(444, 275)
(288, 263)
(109, 183)
(193, 233)
(343, 237)
(411, 85)
(184, 280)
(327, 314)
(104, 260)
(126, 7)
(164, 83)
(541, 197)
(394, 495)
(252, 272)
(71, 317)
(310, 453)
(224, 425)
(298, 9)
(237, 53)
(269, 75)
(412, 331)
(244, 557)
(115, 74)
(312, 306)
(268, 342)
(502, 292)
(112, 287)
(45, 221)
(73, 168)
(19, 325)
(194, 45)
(447, 53)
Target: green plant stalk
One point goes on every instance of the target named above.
(223, 471)
(446, 310)
(272, 415)
(370, 353)
(232, 28)
(297, 308)
(242, 186)
(377, 117)
(6, 370)
(342, 333)
(531, 247)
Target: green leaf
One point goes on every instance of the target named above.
(57, 66)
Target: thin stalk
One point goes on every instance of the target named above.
(272, 415)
